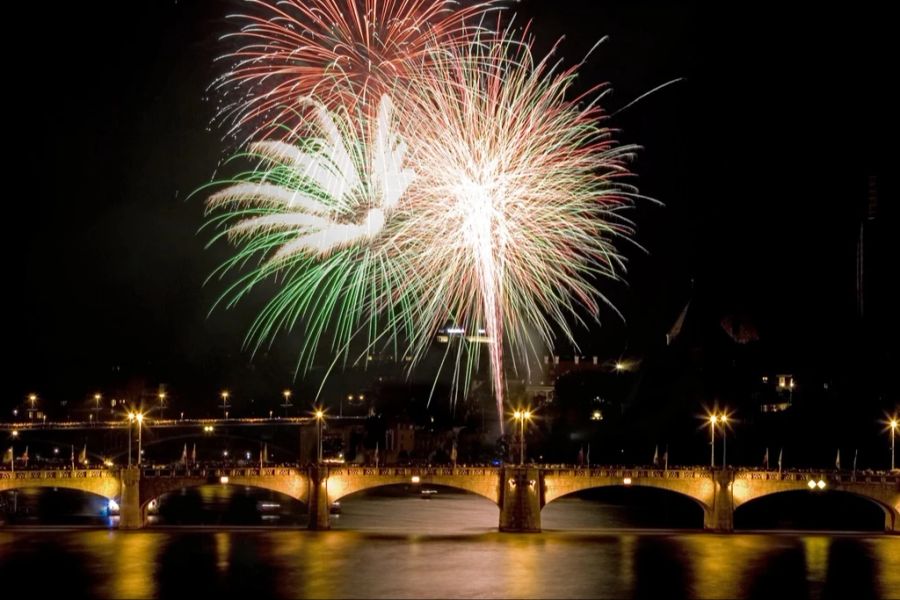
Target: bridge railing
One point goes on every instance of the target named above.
(219, 472)
(56, 474)
(636, 473)
(805, 474)
(411, 471)
(844, 478)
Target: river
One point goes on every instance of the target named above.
(447, 547)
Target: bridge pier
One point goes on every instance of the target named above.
(319, 505)
(891, 521)
(520, 500)
(130, 514)
(720, 516)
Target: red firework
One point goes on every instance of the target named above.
(345, 53)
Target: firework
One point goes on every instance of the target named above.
(313, 213)
(346, 53)
(490, 199)
(518, 201)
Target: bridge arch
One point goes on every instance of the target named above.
(100, 482)
(561, 483)
(805, 496)
(882, 490)
(484, 482)
(288, 481)
(659, 505)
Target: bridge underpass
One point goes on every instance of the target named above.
(623, 507)
(808, 510)
(53, 506)
(226, 505)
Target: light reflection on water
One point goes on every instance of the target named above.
(449, 547)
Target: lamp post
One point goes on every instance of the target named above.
(894, 423)
(225, 405)
(162, 405)
(140, 421)
(713, 419)
(521, 416)
(32, 398)
(724, 419)
(97, 406)
(130, 425)
(287, 401)
(320, 419)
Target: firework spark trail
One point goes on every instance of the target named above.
(313, 213)
(346, 53)
(518, 200)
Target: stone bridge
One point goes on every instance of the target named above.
(719, 493)
(519, 492)
(102, 482)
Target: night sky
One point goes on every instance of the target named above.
(760, 157)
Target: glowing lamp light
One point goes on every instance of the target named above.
(811, 484)
(627, 481)
(223, 479)
(415, 479)
(821, 484)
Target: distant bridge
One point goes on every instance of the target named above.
(32, 425)
(519, 492)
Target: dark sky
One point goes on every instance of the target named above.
(759, 156)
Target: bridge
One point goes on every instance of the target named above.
(520, 492)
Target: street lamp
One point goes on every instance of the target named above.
(724, 420)
(32, 398)
(521, 416)
(713, 419)
(225, 405)
(139, 417)
(287, 401)
(97, 405)
(130, 426)
(893, 423)
(320, 423)
(162, 405)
